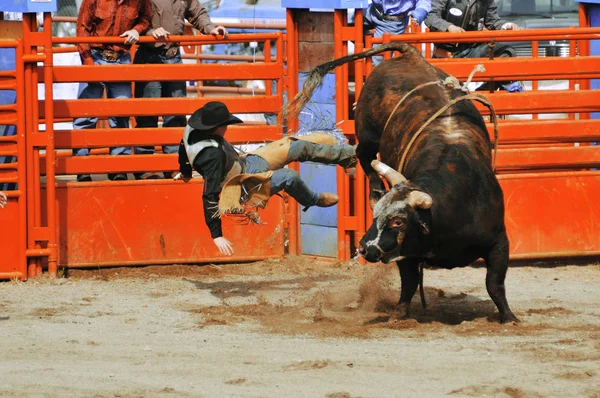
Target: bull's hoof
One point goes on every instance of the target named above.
(509, 318)
(402, 311)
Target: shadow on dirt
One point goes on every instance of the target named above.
(227, 289)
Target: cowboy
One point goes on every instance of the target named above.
(456, 16)
(226, 173)
(168, 18)
(128, 19)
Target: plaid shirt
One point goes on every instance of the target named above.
(111, 18)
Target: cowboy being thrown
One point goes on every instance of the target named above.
(259, 174)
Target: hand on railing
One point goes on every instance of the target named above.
(159, 33)
(132, 36)
(180, 176)
(220, 30)
(455, 29)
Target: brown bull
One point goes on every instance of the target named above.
(445, 207)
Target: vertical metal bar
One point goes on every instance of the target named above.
(360, 184)
(535, 83)
(21, 157)
(50, 154)
(31, 106)
(341, 88)
(292, 52)
(267, 52)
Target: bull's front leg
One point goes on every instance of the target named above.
(366, 153)
(409, 281)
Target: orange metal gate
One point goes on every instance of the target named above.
(56, 221)
(547, 168)
(13, 218)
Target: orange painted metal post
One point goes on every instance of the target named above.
(50, 175)
(341, 90)
(292, 208)
(22, 156)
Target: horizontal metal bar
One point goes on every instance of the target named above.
(8, 85)
(8, 152)
(161, 72)
(37, 252)
(9, 166)
(200, 39)
(97, 138)
(516, 131)
(498, 35)
(157, 106)
(247, 25)
(11, 275)
(8, 138)
(548, 101)
(548, 68)
(548, 158)
(224, 57)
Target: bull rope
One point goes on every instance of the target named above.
(451, 82)
(473, 96)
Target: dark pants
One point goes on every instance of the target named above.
(482, 50)
(96, 90)
(145, 55)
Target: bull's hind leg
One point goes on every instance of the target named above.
(497, 265)
(366, 153)
(409, 281)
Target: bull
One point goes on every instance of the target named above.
(445, 208)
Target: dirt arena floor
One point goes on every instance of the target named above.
(298, 327)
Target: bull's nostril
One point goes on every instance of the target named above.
(362, 250)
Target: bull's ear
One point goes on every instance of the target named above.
(423, 227)
(419, 199)
(375, 196)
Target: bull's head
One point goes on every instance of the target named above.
(401, 220)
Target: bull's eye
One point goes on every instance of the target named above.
(395, 222)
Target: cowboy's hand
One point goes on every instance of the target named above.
(180, 176)
(511, 26)
(455, 29)
(220, 30)
(160, 33)
(224, 246)
(3, 200)
(132, 36)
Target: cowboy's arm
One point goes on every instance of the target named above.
(185, 168)
(434, 19)
(209, 163)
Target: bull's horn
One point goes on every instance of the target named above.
(419, 199)
(391, 175)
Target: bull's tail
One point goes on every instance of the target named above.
(315, 78)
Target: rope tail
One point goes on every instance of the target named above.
(315, 76)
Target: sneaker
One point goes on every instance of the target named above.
(151, 175)
(84, 178)
(117, 177)
(327, 199)
(513, 87)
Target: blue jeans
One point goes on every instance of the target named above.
(381, 26)
(145, 55)
(95, 91)
(287, 180)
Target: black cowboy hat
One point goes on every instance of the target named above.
(212, 114)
